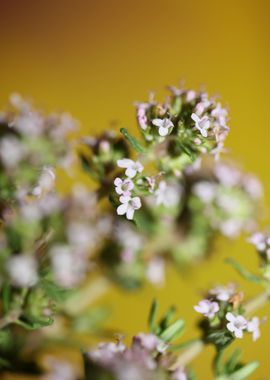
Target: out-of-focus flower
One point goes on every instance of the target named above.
(46, 182)
(132, 167)
(168, 194)
(22, 270)
(156, 271)
(253, 326)
(207, 308)
(223, 293)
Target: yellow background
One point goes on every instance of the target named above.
(95, 58)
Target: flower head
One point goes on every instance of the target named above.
(164, 126)
(237, 324)
(132, 167)
(207, 308)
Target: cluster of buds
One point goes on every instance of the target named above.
(224, 311)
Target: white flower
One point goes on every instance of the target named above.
(236, 325)
(46, 182)
(207, 308)
(11, 151)
(163, 125)
(132, 167)
(223, 293)
(227, 175)
(259, 240)
(156, 271)
(123, 186)
(204, 190)
(167, 195)
(231, 227)
(128, 206)
(69, 269)
(202, 124)
(22, 270)
(253, 186)
(253, 327)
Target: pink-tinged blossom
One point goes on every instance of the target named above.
(129, 206)
(164, 126)
(123, 186)
(141, 115)
(207, 308)
(220, 114)
(179, 374)
(148, 342)
(168, 194)
(253, 326)
(227, 175)
(205, 190)
(132, 167)
(258, 239)
(237, 324)
(202, 124)
(223, 293)
(253, 187)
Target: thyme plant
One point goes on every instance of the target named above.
(159, 198)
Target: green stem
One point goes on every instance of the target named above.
(217, 363)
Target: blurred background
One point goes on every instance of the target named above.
(95, 58)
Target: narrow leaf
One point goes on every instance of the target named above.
(244, 272)
(133, 141)
(152, 316)
(174, 331)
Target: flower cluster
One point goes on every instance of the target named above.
(125, 187)
(191, 121)
(147, 358)
(224, 309)
(228, 198)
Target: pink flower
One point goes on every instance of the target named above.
(132, 167)
(123, 186)
(128, 206)
(207, 308)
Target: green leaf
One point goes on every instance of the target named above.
(133, 141)
(152, 316)
(6, 295)
(242, 373)
(87, 166)
(233, 361)
(174, 331)
(245, 273)
(245, 371)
